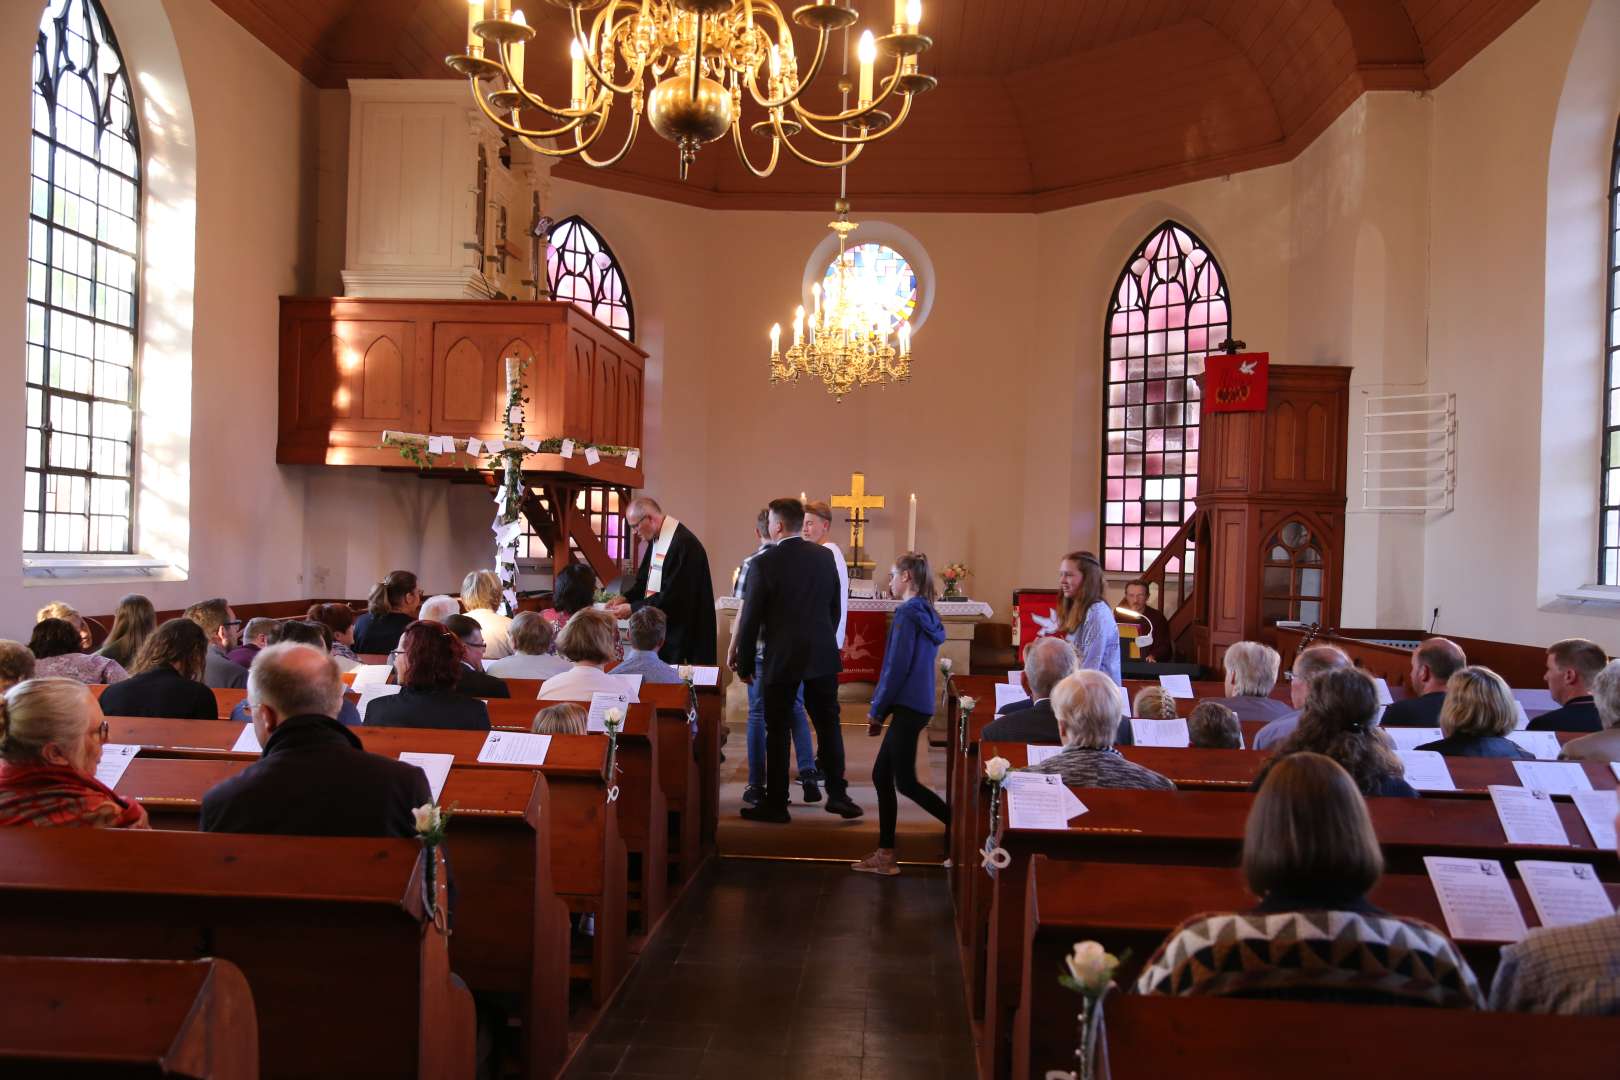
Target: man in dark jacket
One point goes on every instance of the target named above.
(792, 602)
(314, 779)
(1047, 662)
(475, 681)
(1433, 662)
(1572, 666)
(220, 624)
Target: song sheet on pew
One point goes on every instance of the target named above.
(514, 748)
(1597, 810)
(1040, 801)
(372, 693)
(1177, 686)
(1007, 695)
(370, 675)
(1035, 754)
(1543, 744)
(1476, 899)
(1426, 770)
(705, 676)
(1565, 894)
(437, 767)
(247, 741)
(115, 758)
(1160, 732)
(1384, 696)
(1015, 677)
(601, 704)
(1553, 777)
(1528, 817)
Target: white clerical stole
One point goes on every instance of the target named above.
(660, 552)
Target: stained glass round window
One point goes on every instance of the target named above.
(886, 281)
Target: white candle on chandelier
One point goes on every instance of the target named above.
(911, 526)
(913, 15)
(475, 15)
(517, 54)
(776, 339)
(776, 61)
(899, 15)
(503, 9)
(867, 53)
(905, 343)
(798, 325)
(577, 54)
(815, 291)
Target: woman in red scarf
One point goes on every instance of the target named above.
(51, 732)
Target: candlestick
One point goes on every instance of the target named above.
(503, 9)
(517, 55)
(867, 52)
(913, 15)
(475, 15)
(905, 338)
(577, 54)
(776, 339)
(798, 325)
(911, 525)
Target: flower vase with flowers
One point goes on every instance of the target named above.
(953, 575)
(431, 822)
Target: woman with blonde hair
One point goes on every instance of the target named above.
(1311, 856)
(481, 596)
(1153, 703)
(1085, 617)
(589, 641)
(133, 623)
(58, 609)
(51, 734)
(564, 718)
(1476, 717)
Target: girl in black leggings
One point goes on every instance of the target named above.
(905, 697)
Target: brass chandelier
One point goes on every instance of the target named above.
(844, 342)
(699, 57)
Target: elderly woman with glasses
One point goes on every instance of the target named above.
(51, 734)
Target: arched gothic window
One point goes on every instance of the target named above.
(1609, 558)
(1168, 309)
(83, 254)
(1291, 577)
(581, 267)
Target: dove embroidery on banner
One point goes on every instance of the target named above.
(1048, 623)
(1247, 367)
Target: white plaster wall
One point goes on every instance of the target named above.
(254, 129)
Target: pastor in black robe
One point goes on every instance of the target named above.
(686, 599)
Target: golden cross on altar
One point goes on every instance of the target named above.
(857, 502)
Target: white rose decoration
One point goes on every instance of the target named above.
(996, 769)
(945, 664)
(967, 703)
(685, 672)
(613, 717)
(1091, 966)
(426, 817)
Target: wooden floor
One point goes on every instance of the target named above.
(793, 969)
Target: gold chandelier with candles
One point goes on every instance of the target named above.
(844, 341)
(702, 60)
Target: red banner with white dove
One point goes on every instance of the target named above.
(1236, 383)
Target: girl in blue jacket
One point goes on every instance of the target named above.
(904, 696)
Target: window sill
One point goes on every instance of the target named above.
(1588, 600)
(95, 569)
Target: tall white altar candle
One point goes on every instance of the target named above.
(911, 525)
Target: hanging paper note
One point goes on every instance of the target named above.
(514, 415)
(247, 741)
(515, 748)
(1565, 894)
(532, 445)
(510, 597)
(1597, 810)
(115, 758)
(507, 532)
(474, 447)
(1426, 770)
(601, 704)
(1476, 899)
(592, 455)
(632, 459)
(567, 450)
(1160, 732)
(1553, 777)
(437, 767)
(1179, 686)
(1528, 817)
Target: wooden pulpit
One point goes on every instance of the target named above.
(1269, 528)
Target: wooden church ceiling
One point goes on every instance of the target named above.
(1041, 104)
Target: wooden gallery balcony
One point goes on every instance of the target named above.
(353, 368)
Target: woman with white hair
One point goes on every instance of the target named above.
(1087, 708)
(51, 734)
(1251, 676)
(1600, 745)
(481, 595)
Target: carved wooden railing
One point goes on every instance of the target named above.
(1171, 580)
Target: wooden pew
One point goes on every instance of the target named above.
(1135, 907)
(348, 975)
(526, 847)
(1149, 1038)
(1205, 828)
(127, 1018)
(682, 768)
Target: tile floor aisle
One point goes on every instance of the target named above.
(800, 970)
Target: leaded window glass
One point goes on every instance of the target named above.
(581, 267)
(1169, 308)
(1609, 560)
(83, 278)
(885, 279)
